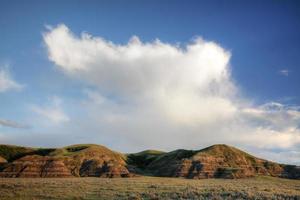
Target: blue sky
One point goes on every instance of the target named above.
(50, 102)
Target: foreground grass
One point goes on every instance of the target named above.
(148, 188)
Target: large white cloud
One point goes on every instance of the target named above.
(184, 82)
(159, 95)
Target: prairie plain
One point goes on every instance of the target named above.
(90, 188)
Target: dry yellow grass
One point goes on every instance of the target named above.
(148, 188)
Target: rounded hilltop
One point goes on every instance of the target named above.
(73, 160)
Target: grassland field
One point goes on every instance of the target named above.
(148, 188)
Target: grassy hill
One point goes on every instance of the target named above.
(75, 160)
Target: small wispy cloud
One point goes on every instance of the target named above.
(12, 124)
(284, 72)
(52, 112)
(7, 82)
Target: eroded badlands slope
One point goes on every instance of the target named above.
(217, 161)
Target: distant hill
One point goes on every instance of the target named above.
(217, 161)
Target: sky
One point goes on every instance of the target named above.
(162, 75)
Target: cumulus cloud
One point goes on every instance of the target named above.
(52, 112)
(12, 124)
(6, 81)
(181, 81)
(160, 95)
